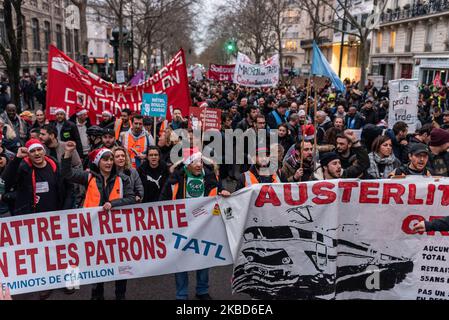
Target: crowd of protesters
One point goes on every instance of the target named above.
(70, 163)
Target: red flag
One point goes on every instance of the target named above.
(437, 81)
(72, 87)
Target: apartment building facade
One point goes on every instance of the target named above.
(44, 23)
(412, 41)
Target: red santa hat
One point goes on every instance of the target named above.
(33, 144)
(96, 155)
(107, 114)
(60, 110)
(80, 111)
(191, 155)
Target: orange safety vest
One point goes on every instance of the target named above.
(251, 179)
(118, 127)
(93, 196)
(175, 189)
(130, 144)
(163, 127)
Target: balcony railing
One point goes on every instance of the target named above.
(308, 43)
(407, 48)
(416, 10)
(428, 47)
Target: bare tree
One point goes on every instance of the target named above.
(275, 17)
(249, 21)
(164, 24)
(11, 51)
(312, 8)
(114, 9)
(341, 10)
(82, 7)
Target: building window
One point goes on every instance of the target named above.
(378, 41)
(24, 34)
(429, 33)
(408, 43)
(35, 30)
(290, 46)
(47, 34)
(59, 37)
(3, 38)
(406, 71)
(392, 41)
(68, 40)
(76, 40)
(45, 6)
(33, 3)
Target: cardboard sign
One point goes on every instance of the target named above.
(154, 105)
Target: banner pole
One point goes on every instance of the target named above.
(302, 131)
(315, 147)
(154, 130)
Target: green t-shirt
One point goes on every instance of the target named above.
(194, 185)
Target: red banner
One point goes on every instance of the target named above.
(72, 87)
(221, 73)
(204, 119)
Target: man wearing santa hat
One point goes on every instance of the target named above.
(67, 130)
(37, 179)
(192, 180)
(82, 121)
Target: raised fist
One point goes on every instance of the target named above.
(22, 153)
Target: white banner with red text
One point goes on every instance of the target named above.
(346, 239)
(84, 246)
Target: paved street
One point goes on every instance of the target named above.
(155, 288)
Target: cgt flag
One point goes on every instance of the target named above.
(321, 67)
(72, 87)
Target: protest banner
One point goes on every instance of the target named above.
(84, 246)
(120, 76)
(253, 75)
(204, 118)
(403, 103)
(342, 239)
(72, 87)
(221, 72)
(197, 73)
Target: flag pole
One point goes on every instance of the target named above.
(302, 131)
(315, 127)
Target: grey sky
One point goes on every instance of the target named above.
(207, 11)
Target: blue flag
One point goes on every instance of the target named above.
(320, 67)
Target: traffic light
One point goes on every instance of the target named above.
(231, 47)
